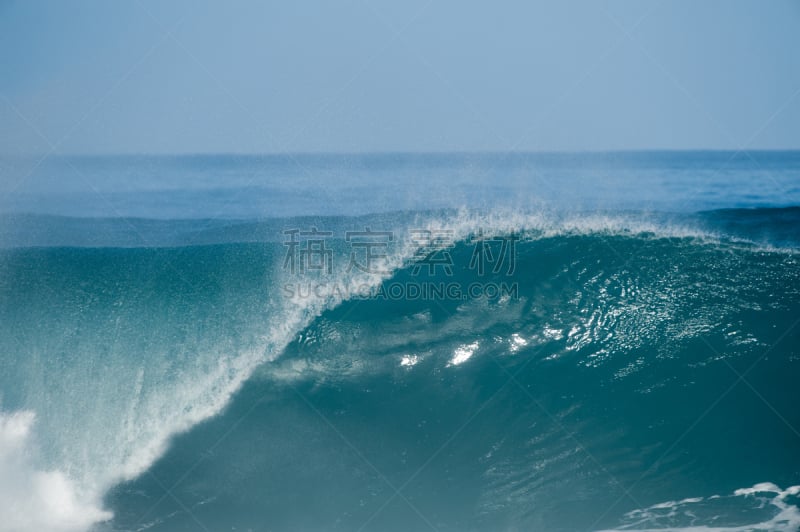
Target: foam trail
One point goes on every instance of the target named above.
(785, 518)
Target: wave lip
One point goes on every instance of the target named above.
(769, 228)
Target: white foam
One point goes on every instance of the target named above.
(546, 224)
(463, 353)
(409, 360)
(35, 499)
(517, 342)
(785, 519)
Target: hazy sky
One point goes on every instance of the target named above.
(101, 77)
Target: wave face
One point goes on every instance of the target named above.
(636, 373)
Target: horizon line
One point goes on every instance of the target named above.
(398, 152)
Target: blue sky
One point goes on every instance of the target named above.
(365, 76)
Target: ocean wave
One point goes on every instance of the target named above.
(126, 348)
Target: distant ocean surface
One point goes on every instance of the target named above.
(401, 342)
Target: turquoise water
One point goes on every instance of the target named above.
(164, 368)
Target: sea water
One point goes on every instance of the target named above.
(401, 342)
